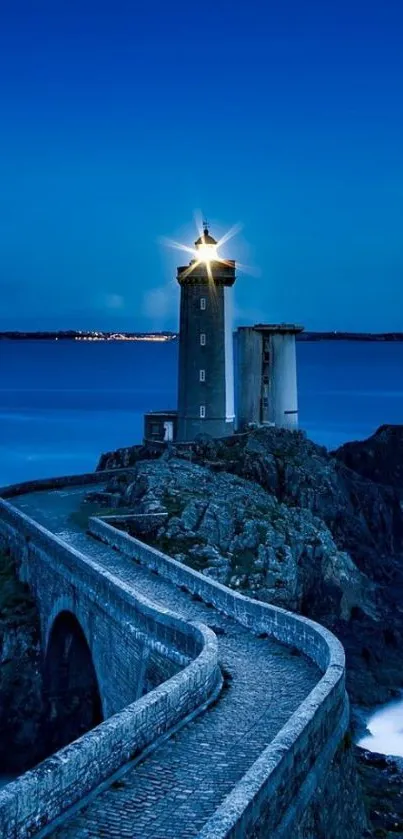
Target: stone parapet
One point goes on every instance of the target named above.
(42, 484)
(277, 789)
(41, 795)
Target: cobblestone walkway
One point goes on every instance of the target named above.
(172, 793)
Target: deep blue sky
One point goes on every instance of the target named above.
(120, 119)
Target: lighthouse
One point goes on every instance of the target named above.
(266, 375)
(206, 364)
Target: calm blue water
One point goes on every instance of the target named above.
(61, 404)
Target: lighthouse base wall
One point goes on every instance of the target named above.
(191, 427)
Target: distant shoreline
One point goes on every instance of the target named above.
(350, 336)
(162, 337)
(82, 335)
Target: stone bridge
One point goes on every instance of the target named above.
(210, 714)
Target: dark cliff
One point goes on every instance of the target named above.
(379, 458)
(275, 514)
(20, 673)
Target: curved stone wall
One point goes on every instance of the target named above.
(41, 484)
(271, 797)
(42, 794)
(275, 792)
(114, 622)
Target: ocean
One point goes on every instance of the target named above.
(63, 403)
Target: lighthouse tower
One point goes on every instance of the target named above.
(206, 365)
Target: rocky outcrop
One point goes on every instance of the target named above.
(379, 458)
(275, 514)
(20, 674)
(238, 533)
(382, 781)
(321, 533)
(123, 458)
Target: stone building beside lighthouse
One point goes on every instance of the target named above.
(267, 375)
(206, 362)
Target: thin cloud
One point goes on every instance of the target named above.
(161, 303)
(110, 300)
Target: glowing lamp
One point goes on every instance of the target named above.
(206, 253)
(206, 247)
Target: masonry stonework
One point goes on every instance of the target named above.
(278, 794)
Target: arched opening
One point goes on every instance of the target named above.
(71, 693)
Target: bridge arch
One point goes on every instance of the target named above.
(72, 698)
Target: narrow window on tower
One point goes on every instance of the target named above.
(203, 339)
(202, 411)
(203, 303)
(202, 375)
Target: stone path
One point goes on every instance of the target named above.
(172, 793)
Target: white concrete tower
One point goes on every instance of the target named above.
(267, 375)
(283, 390)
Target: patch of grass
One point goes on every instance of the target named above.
(180, 545)
(259, 509)
(196, 563)
(15, 598)
(227, 455)
(174, 504)
(243, 562)
(80, 517)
